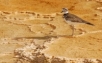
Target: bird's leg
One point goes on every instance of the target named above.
(73, 29)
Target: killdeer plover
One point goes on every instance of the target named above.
(72, 19)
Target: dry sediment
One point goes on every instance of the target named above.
(30, 35)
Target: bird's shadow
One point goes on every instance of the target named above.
(43, 37)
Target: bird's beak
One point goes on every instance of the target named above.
(61, 11)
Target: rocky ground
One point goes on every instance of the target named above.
(35, 32)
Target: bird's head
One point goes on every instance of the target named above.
(64, 10)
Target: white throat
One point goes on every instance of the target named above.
(66, 12)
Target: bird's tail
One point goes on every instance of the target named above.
(89, 23)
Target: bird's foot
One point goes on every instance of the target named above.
(82, 31)
(72, 36)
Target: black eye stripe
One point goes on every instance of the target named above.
(64, 9)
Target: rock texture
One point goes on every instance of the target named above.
(33, 31)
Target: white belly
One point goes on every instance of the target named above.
(71, 23)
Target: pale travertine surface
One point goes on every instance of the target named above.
(33, 31)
